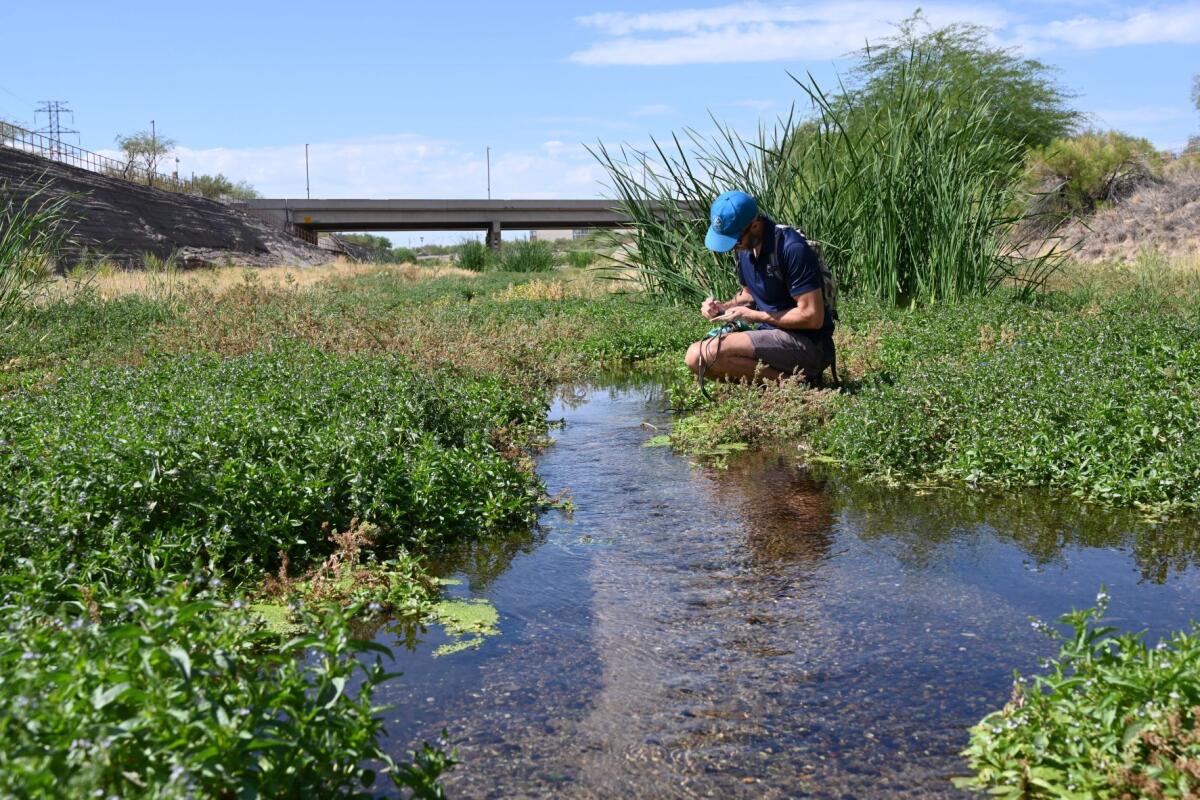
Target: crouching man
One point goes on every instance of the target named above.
(783, 315)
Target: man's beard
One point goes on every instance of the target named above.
(752, 242)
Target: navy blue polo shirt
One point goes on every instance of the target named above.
(785, 267)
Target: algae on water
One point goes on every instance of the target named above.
(467, 622)
(278, 618)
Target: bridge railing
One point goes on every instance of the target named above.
(15, 137)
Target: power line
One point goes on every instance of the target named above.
(54, 129)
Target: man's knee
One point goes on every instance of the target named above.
(693, 356)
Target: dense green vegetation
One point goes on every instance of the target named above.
(1026, 106)
(473, 254)
(1101, 405)
(142, 503)
(1112, 717)
(521, 255)
(527, 256)
(225, 466)
(908, 183)
(379, 249)
(175, 693)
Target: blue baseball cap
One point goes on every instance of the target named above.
(731, 213)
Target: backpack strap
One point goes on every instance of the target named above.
(828, 284)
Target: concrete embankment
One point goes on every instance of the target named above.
(118, 221)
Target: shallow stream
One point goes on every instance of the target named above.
(754, 631)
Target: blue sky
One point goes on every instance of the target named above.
(401, 99)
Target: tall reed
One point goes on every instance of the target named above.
(31, 232)
(911, 200)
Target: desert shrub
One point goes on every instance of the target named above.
(403, 255)
(528, 256)
(910, 199)
(224, 464)
(473, 255)
(1075, 175)
(219, 187)
(1111, 717)
(1027, 107)
(177, 694)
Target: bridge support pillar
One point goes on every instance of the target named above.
(493, 236)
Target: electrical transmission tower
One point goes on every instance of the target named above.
(54, 129)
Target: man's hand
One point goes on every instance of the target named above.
(735, 313)
(710, 308)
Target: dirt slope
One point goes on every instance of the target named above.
(1162, 216)
(124, 221)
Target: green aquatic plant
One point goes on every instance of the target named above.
(581, 259)
(474, 255)
(224, 465)
(1002, 394)
(1110, 717)
(176, 693)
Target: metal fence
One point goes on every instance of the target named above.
(15, 137)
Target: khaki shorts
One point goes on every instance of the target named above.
(793, 351)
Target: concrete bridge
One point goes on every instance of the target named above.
(306, 217)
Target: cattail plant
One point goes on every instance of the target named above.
(911, 201)
(31, 232)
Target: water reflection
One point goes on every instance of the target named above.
(784, 512)
(757, 631)
(920, 524)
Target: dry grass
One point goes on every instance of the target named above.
(1176, 275)
(110, 283)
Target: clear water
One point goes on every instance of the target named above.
(755, 631)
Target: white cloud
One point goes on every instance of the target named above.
(752, 31)
(744, 32)
(1163, 24)
(756, 105)
(402, 166)
(653, 110)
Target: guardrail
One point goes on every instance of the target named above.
(15, 137)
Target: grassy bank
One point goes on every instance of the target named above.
(1090, 391)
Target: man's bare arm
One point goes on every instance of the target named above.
(742, 298)
(809, 314)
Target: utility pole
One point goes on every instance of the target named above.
(153, 152)
(307, 192)
(489, 172)
(54, 129)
